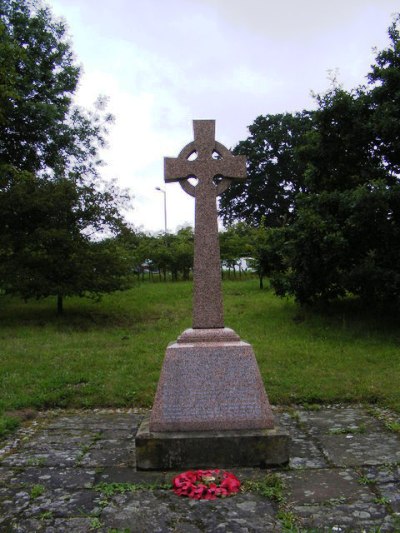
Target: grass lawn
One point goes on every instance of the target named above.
(110, 353)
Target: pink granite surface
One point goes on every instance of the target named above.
(210, 379)
(190, 336)
(207, 291)
(208, 386)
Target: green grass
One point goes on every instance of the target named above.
(110, 353)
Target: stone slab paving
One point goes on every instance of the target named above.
(343, 475)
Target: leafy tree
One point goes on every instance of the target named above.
(36, 131)
(235, 244)
(345, 237)
(275, 171)
(182, 253)
(342, 233)
(344, 242)
(52, 200)
(165, 253)
(385, 96)
(339, 151)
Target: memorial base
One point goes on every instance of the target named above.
(257, 448)
(210, 409)
(210, 381)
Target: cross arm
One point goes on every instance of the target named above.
(176, 169)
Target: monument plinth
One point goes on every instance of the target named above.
(211, 408)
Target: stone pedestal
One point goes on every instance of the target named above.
(211, 409)
(257, 448)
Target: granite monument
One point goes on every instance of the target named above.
(211, 408)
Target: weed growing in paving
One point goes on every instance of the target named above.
(382, 500)
(289, 521)
(110, 489)
(36, 491)
(389, 422)
(95, 523)
(46, 515)
(393, 426)
(365, 480)
(271, 486)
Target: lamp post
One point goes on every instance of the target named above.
(165, 207)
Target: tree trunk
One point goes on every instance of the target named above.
(261, 281)
(60, 308)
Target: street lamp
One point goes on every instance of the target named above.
(165, 207)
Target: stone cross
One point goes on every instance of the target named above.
(214, 167)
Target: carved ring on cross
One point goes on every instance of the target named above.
(190, 149)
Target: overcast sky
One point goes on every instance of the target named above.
(164, 63)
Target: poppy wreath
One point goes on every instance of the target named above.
(205, 484)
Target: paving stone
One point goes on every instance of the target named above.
(118, 434)
(115, 456)
(358, 450)
(161, 511)
(59, 525)
(382, 473)
(355, 517)
(62, 439)
(5, 475)
(67, 478)
(112, 444)
(62, 503)
(129, 475)
(329, 421)
(60, 458)
(13, 502)
(325, 486)
(303, 453)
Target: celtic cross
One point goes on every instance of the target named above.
(215, 168)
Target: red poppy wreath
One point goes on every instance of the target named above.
(206, 484)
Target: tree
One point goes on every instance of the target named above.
(275, 171)
(235, 244)
(53, 205)
(165, 252)
(345, 237)
(342, 232)
(343, 242)
(339, 152)
(384, 79)
(36, 131)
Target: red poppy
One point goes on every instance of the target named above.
(205, 484)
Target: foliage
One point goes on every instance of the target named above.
(36, 491)
(385, 95)
(7, 425)
(235, 244)
(164, 253)
(111, 489)
(339, 152)
(344, 242)
(341, 230)
(52, 200)
(271, 486)
(275, 171)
